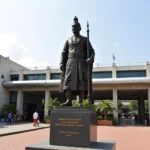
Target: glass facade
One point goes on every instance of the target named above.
(14, 77)
(129, 74)
(35, 77)
(55, 76)
(102, 75)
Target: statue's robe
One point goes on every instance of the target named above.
(73, 58)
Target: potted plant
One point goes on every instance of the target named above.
(105, 106)
(48, 119)
(99, 118)
(51, 104)
(102, 121)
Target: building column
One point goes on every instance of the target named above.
(115, 102)
(147, 69)
(141, 109)
(48, 73)
(114, 74)
(19, 105)
(47, 96)
(149, 103)
(21, 75)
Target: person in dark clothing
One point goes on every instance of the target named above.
(9, 118)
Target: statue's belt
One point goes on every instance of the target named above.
(77, 55)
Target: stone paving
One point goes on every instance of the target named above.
(126, 137)
(20, 127)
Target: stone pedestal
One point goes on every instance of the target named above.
(73, 126)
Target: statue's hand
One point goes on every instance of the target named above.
(62, 67)
(89, 60)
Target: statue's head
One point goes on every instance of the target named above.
(76, 27)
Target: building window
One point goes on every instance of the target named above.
(130, 74)
(35, 77)
(14, 77)
(55, 76)
(102, 75)
(2, 76)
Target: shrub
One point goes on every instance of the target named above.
(99, 117)
(8, 108)
(48, 117)
(2, 116)
(109, 118)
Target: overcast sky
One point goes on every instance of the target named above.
(33, 32)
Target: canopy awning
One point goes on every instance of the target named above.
(110, 81)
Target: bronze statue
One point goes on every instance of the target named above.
(73, 64)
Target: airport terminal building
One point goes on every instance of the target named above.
(30, 89)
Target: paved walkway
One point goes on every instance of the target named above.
(18, 128)
(127, 138)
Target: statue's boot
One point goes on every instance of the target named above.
(67, 103)
(81, 97)
(69, 99)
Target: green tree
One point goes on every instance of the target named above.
(52, 103)
(105, 106)
(133, 106)
(8, 108)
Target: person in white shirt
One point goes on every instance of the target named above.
(35, 118)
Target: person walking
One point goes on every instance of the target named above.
(9, 118)
(35, 118)
(38, 122)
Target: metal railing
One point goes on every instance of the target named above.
(96, 65)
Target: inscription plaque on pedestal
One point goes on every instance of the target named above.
(73, 126)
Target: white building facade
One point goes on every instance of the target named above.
(32, 88)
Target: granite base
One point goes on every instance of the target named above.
(100, 145)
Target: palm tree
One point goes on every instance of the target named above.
(105, 106)
(52, 103)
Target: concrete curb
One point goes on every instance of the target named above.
(23, 131)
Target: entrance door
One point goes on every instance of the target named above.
(30, 110)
